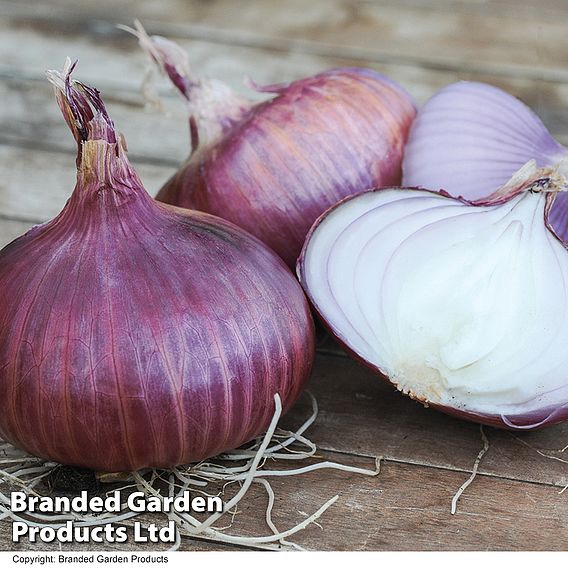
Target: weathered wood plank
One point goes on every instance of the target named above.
(171, 9)
(515, 9)
(404, 508)
(29, 113)
(123, 62)
(10, 229)
(36, 184)
(480, 40)
(408, 508)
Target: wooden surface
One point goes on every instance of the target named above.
(516, 502)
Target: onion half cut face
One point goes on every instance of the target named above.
(461, 306)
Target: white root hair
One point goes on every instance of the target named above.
(469, 481)
(209, 478)
(540, 452)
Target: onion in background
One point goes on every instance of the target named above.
(273, 167)
(469, 138)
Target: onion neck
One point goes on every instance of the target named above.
(103, 166)
(108, 198)
(215, 108)
(212, 106)
(550, 180)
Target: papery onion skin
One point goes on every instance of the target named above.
(138, 335)
(470, 137)
(294, 156)
(545, 415)
(275, 166)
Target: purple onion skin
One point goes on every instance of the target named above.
(286, 160)
(134, 334)
(470, 138)
(528, 421)
(138, 336)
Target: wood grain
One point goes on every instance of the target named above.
(36, 184)
(30, 117)
(28, 112)
(101, 40)
(450, 35)
(406, 507)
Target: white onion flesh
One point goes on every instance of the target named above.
(460, 306)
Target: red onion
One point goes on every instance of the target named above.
(469, 138)
(273, 167)
(134, 334)
(462, 305)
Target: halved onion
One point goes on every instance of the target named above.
(461, 305)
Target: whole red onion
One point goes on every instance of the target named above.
(273, 167)
(134, 334)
